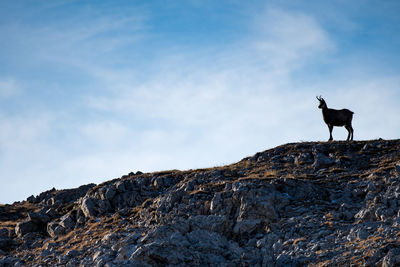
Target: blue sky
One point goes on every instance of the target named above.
(92, 90)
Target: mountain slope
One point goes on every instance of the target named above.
(317, 204)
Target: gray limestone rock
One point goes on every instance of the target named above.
(55, 229)
(24, 228)
(321, 161)
(333, 203)
(92, 207)
(68, 221)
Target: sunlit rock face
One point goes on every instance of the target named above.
(295, 205)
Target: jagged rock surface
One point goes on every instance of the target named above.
(301, 204)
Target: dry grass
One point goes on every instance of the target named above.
(20, 209)
(198, 191)
(299, 240)
(347, 253)
(270, 173)
(8, 224)
(328, 220)
(320, 264)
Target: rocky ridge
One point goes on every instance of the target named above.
(299, 204)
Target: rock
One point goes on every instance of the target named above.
(68, 221)
(216, 203)
(392, 258)
(210, 223)
(31, 199)
(365, 214)
(120, 186)
(9, 261)
(125, 200)
(53, 196)
(246, 226)
(285, 261)
(160, 254)
(73, 253)
(109, 238)
(207, 241)
(5, 243)
(333, 203)
(179, 240)
(4, 233)
(92, 207)
(257, 207)
(125, 252)
(38, 218)
(55, 229)
(127, 241)
(321, 161)
(397, 167)
(23, 228)
(362, 234)
(107, 193)
(51, 213)
(168, 201)
(303, 158)
(62, 226)
(45, 253)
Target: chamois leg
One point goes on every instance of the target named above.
(348, 128)
(330, 132)
(351, 131)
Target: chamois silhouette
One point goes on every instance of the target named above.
(334, 117)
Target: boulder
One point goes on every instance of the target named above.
(397, 168)
(23, 228)
(209, 222)
(68, 221)
(39, 217)
(55, 229)
(321, 161)
(247, 226)
(4, 233)
(92, 207)
(392, 258)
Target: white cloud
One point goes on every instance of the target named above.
(26, 158)
(229, 84)
(9, 87)
(289, 38)
(105, 134)
(82, 39)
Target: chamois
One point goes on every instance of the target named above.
(334, 117)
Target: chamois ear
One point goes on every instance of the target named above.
(319, 98)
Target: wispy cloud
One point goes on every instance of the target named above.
(129, 100)
(288, 37)
(83, 38)
(229, 104)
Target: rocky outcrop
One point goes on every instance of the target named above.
(54, 197)
(295, 205)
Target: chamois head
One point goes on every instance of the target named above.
(322, 103)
